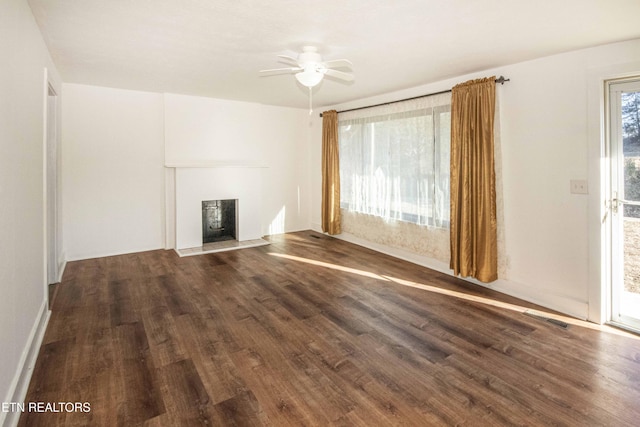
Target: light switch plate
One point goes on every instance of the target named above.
(579, 186)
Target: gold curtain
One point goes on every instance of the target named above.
(330, 174)
(473, 236)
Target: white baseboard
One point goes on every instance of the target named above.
(543, 297)
(61, 268)
(20, 384)
(81, 257)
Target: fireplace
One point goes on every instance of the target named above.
(219, 220)
(193, 185)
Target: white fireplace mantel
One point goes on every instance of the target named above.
(190, 184)
(216, 164)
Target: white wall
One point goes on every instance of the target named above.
(545, 143)
(115, 144)
(205, 130)
(23, 307)
(112, 171)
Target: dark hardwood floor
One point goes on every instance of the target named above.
(314, 331)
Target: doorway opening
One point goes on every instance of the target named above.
(52, 193)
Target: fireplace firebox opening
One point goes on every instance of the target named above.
(218, 220)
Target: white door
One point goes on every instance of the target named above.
(624, 128)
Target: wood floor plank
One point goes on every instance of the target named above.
(240, 410)
(211, 358)
(288, 360)
(311, 330)
(279, 400)
(186, 397)
(301, 359)
(163, 336)
(141, 398)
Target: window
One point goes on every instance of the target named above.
(394, 160)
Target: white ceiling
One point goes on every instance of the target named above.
(215, 48)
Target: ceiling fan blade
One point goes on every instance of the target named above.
(275, 71)
(339, 74)
(288, 60)
(338, 63)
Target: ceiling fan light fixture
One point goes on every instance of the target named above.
(309, 77)
(309, 68)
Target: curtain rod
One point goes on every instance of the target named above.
(500, 80)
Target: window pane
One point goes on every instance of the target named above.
(393, 165)
(630, 105)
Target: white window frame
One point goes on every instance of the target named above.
(431, 206)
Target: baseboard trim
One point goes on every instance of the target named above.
(20, 384)
(116, 253)
(61, 268)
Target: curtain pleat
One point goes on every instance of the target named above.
(330, 174)
(473, 192)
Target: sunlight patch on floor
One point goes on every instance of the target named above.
(459, 295)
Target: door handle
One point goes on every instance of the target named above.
(616, 202)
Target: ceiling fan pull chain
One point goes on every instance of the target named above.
(310, 100)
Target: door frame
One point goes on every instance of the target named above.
(51, 85)
(597, 173)
(51, 188)
(615, 219)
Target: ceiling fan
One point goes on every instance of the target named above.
(310, 69)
